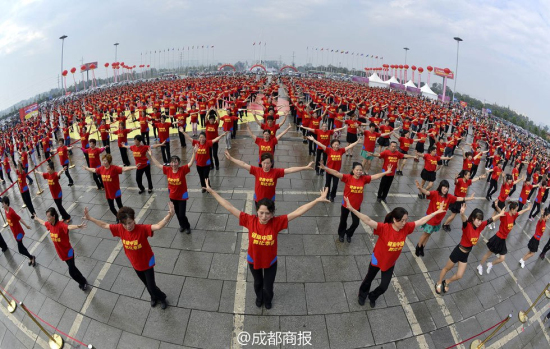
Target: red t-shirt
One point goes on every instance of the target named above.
(135, 245)
(405, 143)
(391, 159)
(369, 141)
(13, 219)
(262, 239)
(164, 131)
(264, 186)
(506, 224)
(353, 125)
(109, 176)
(504, 191)
(323, 137)
(470, 234)
(22, 180)
(461, 187)
(354, 189)
(540, 194)
(539, 230)
(334, 158)
(53, 183)
(202, 158)
(211, 130)
(122, 136)
(525, 191)
(140, 156)
(439, 202)
(496, 173)
(430, 162)
(389, 244)
(266, 147)
(59, 233)
(63, 157)
(177, 185)
(93, 156)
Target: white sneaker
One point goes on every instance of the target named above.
(480, 269)
(528, 201)
(522, 263)
(489, 267)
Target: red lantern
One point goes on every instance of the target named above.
(106, 65)
(413, 67)
(134, 66)
(114, 63)
(122, 63)
(64, 73)
(406, 66)
(73, 70)
(447, 70)
(430, 68)
(420, 70)
(83, 67)
(400, 66)
(92, 66)
(148, 65)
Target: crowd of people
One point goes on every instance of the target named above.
(390, 125)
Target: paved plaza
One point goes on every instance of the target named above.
(209, 287)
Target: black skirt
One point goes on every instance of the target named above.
(351, 137)
(428, 176)
(420, 147)
(533, 245)
(497, 245)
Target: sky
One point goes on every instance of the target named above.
(501, 60)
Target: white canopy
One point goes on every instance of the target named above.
(375, 81)
(410, 83)
(427, 92)
(392, 79)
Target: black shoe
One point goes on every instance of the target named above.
(542, 255)
(417, 251)
(150, 191)
(341, 239)
(259, 302)
(487, 198)
(5, 249)
(361, 300)
(268, 305)
(384, 201)
(305, 142)
(153, 303)
(182, 229)
(217, 168)
(349, 239)
(163, 304)
(187, 231)
(203, 191)
(71, 184)
(331, 199)
(372, 303)
(83, 287)
(422, 251)
(379, 200)
(141, 191)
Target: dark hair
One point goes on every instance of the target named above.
(355, 163)
(92, 141)
(512, 205)
(546, 212)
(270, 117)
(270, 204)
(6, 200)
(396, 214)
(334, 140)
(476, 214)
(268, 131)
(509, 177)
(372, 124)
(124, 213)
(430, 149)
(51, 165)
(54, 214)
(107, 157)
(462, 173)
(468, 154)
(139, 138)
(443, 183)
(175, 157)
(266, 156)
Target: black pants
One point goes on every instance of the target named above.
(334, 180)
(48, 155)
(1, 174)
(23, 250)
(214, 156)
(105, 145)
(3, 244)
(165, 150)
(145, 136)
(26, 195)
(88, 159)
(38, 150)
(97, 180)
(66, 167)
(203, 119)
(342, 231)
(148, 279)
(263, 282)
(182, 139)
(9, 176)
(234, 129)
(535, 210)
(318, 155)
(75, 273)
(530, 194)
(492, 187)
(62, 212)
(124, 156)
(512, 191)
(544, 250)
(112, 204)
(180, 207)
(203, 171)
(364, 290)
(139, 177)
(311, 145)
(473, 171)
(385, 185)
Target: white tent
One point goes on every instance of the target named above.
(375, 81)
(392, 79)
(410, 83)
(427, 92)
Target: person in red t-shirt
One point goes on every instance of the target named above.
(391, 156)
(14, 221)
(497, 243)
(266, 176)
(164, 138)
(494, 177)
(122, 139)
(62, 152)
(525, 192)
(391, 239)
(94, 161)
(230, 121)
(369, 145)
(136, 246)
(333, 160)
(439, 199)
(177, 186)
(538, 200)
(109, 177)
(320, 136)
(462, 183)
(59, 233)
(53, 182)
(202, 158)
(267, 143)
(471, 229)
(22, 177)
(499, 204)
(142, 162)
(263, 229)
(354, 190)
(533, 244)
(428, 173)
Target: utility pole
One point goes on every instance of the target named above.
(293, 58)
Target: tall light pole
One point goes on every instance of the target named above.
(116, 48)
(458, 40)
(62, 44)
(406, 49)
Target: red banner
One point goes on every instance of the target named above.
(441, 72)
(463, 104)
(28, 112)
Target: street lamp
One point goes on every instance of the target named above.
(406, 49)
(458, 40)
(116, 48)
(62, 44)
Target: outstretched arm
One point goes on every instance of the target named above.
(226, 204)
(250, 132)
(320, 145)
(424, 191)
(331, 171)
(383, 173)
(363, 217)
(351, 145)
(283, 133)
(524, 210)
(97, 222)
(304, 208)
(193, 156)
(155, 161)
(166, 219)
(237, 162)
(298, 169)
(425, 220)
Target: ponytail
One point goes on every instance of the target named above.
(396, 214)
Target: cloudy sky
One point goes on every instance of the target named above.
(502, 57)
